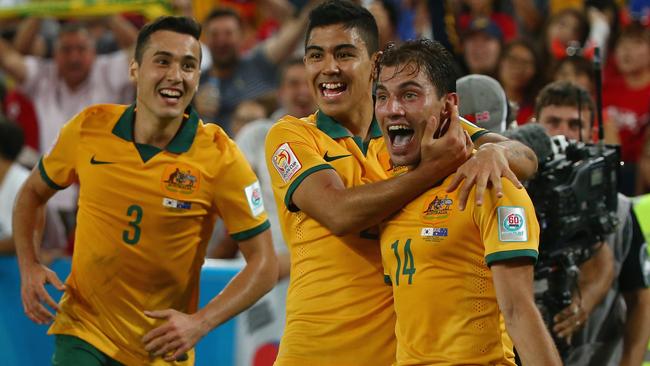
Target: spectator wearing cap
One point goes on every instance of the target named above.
(482, 42)
(483, 102)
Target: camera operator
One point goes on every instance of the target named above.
(594, 323)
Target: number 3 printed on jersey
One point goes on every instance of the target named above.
(132, 236)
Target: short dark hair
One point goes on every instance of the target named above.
(12, 139)
(223, 12)
(437, 62)
(565, 94)
(348, 14)
(178, 24)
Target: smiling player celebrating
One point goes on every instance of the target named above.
(330, 185)
(460, 279)
(153, 179)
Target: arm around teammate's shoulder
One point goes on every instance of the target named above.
(323, 195)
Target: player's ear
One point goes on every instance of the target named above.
(375, 59)
(452, 98)
(133, 70)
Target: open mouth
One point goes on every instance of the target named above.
(171, 95)
(331, 89)
(400, 135)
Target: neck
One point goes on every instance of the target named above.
(358, 120)
(154, 131)
(637, 79)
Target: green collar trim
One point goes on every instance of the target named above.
(181, 142)
(336, 130)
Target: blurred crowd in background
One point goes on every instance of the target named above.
(252, 73)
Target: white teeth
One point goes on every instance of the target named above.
(398, 128)
(170, 93)
(332, 85)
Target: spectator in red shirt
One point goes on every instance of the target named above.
(627, 99)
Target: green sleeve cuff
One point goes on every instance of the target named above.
(46, 178)
(478, 134)
(294, 185)
(247, 234)
(490, 259)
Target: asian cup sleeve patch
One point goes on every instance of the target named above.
(285, 162)
(512, 224)
(254, 198)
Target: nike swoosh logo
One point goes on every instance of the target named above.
(332, 158)
(99, 162)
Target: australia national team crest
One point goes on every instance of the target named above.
(437, 208)
(286, 162)
(180, 180)
(512, 224)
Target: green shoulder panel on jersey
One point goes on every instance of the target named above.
(46, 178)
(469, 127)
(478, 134)
(247, 234)
(490, 259)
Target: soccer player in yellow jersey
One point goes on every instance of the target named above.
(462, 279)
(330, 187)
(153, 179)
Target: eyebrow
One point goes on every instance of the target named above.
(169, 54)
(336, 48)
(409, 83)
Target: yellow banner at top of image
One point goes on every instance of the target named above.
(86, 8)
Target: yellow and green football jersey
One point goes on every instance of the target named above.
(437, 259)
(339, 309)
(145, 217)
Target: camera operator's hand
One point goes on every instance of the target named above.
(595, 279)
(570, 319)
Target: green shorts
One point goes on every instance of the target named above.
(73, 351)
